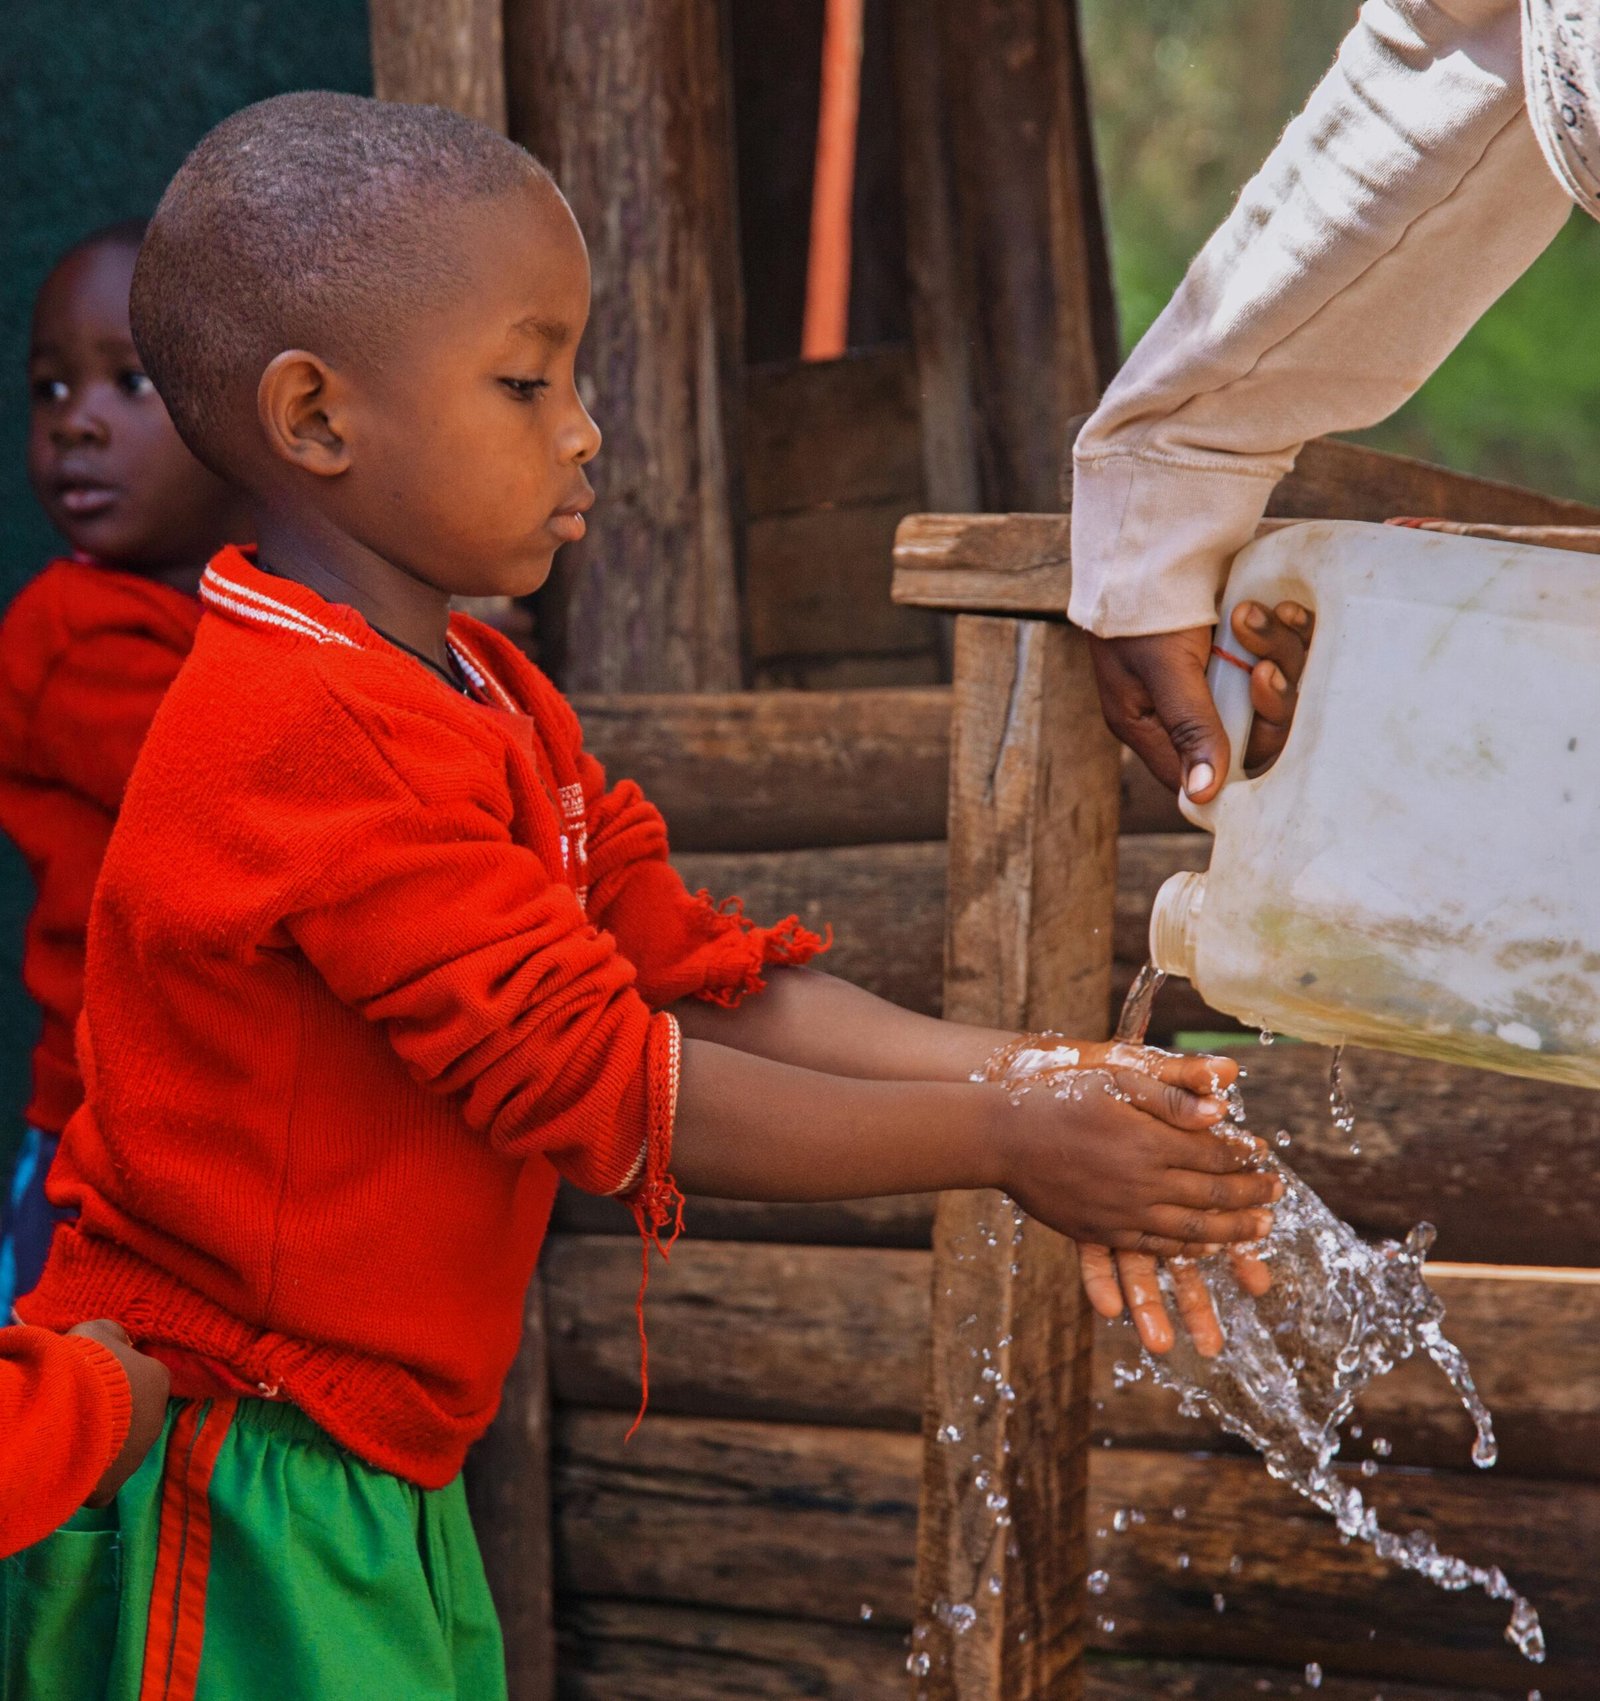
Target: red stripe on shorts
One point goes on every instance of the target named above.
(177, 1623)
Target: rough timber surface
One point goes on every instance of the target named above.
(809, 1523)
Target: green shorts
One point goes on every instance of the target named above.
(249, 1557)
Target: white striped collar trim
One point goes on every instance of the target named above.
(479, 676)
(255, 605)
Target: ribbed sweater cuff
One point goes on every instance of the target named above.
(1152, 541)
(113, 1383)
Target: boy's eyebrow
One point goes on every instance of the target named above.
(551, 331)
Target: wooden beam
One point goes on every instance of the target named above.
(781, 770)
(440, 53)
(1011, 297)
(508, 1491)
(626, 101)
(1033, 822)
(777, 1332)
(811, 1523)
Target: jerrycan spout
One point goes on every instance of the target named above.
(1174, 924)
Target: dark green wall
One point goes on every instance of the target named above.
(101, 102)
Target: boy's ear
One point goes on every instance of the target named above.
(300, 403)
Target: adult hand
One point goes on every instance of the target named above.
(149, 1384)
(1156, 700)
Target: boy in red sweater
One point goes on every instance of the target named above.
(86, 652)
(376, 954)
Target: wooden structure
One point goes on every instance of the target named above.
(759, 1538)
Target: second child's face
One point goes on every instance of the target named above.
(469, 441)
(103, 457)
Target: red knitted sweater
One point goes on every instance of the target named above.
(369, 965)
(65, 1406)
(86, 654)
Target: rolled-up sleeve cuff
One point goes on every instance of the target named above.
(1152, 540)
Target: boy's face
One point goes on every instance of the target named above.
(467, 439)
(103, 457)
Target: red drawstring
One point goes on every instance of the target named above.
(657, 1202)
(1224, 655)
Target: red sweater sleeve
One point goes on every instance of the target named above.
(65, 1406)
(95, 706)
(473, 951)
(683, 945)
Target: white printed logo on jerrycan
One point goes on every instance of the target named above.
(1420, 870)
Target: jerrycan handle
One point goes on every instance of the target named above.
(1263, 571)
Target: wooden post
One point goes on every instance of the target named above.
(1011, 293)
(440, 53)
(1002, 1542)
(626, 101)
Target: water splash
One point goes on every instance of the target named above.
(1340, 1313)
(1339, 1105)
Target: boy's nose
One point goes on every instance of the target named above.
(78, 422)
(586, 438)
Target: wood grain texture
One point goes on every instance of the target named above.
(1033, 825)
(784, 1333)
(626, 101)
(781, 770)
(440, 53)
(627, 1651)
(508, 1492)
(810, 1523)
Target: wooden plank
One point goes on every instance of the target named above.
(440, 53)
(616, 1651)
(627, 102)
(896, 669)
(988, 563)
(762, 1331)
(1033, 823)
(1112, 1679)
(777, 1332)
(833, 433)
(508, 1492)
(1291, 1591)
(781, 770)
(811, 1523)
(819, 584)
(885, 904)
(905, 1221)
(766, 1517)
(1334, 480)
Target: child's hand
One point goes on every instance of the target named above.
(1132, 1158)
(1108, 1277)
(149, 1384)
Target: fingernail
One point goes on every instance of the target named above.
(1255, 618)
(1278, 1191)
(1279, 682)
(1263, 1224)
(1200, 777)
(1210, 1108)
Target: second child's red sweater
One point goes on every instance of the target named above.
(86, 655)
(370, 965)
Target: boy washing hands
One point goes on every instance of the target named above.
(375, 944)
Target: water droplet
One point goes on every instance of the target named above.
(1313, 1675)
(1120, 1520)
(1099, 1582)
(1105, 1625)
(1267, 1037)
(866, 1611)
(918, 1664)
(1235, 1566)
(1369, 1467)
(1381, 1447)
(1283, 1139)
(1179, 1513)
(949, 1432)
(1219, 1603)
(1183, 1562)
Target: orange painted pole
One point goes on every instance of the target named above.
(826, 327)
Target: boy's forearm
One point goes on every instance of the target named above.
(751, 1128)
(816, 1021)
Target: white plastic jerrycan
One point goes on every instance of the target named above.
(1420, 870)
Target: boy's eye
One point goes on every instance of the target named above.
(48, 390)
(525, 389)
(135, 383)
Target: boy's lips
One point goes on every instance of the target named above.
(568, 522)
(83, 499)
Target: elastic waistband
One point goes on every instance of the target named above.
(280, 1420)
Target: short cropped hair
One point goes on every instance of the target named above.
(305, 221)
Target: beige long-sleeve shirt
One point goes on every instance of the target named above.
(1410, 193)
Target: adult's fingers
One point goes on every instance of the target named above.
(1281, 635)
(1172, 668)
(1130, 712)
(1100, 1284)
(1197, 1307)
(1141, 1283)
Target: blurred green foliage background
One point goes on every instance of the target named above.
(1189, 97)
